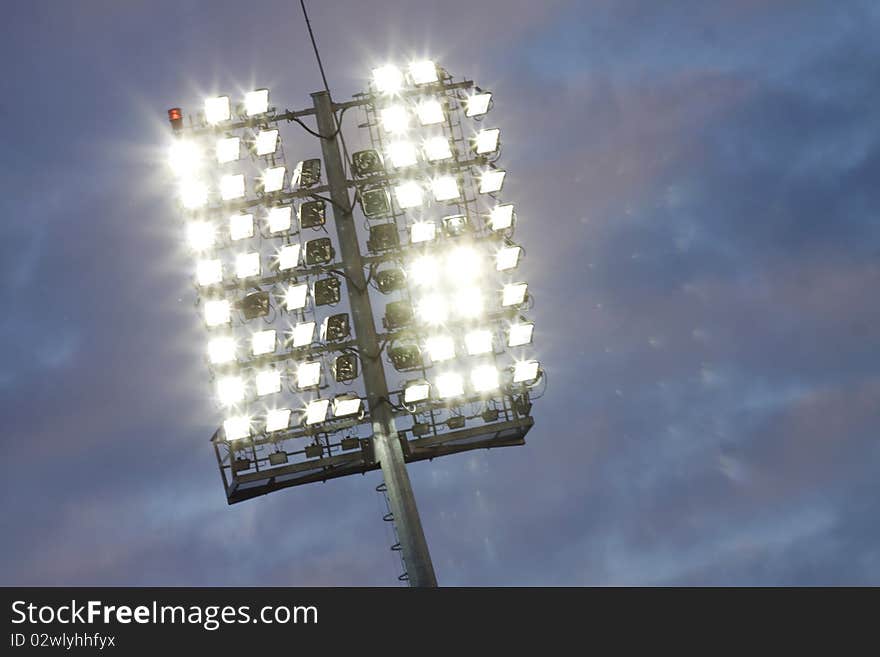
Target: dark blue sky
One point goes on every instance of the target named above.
(697, 185)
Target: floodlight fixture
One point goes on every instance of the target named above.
(484, 378)
(345, 368)
(422, 231)
(492, 181)
(440, 348)
(273, 179)
(228, 149)
(335, 327)
(402, 154)
(514, 294)
(221, 350)
(346, 405)
(455, 225)
(295, 297)
(217, 312)
(416, 391)
(217, 109)
(366, 163)
(308, 374)
(455, 422)
(406, 357)
(200, 235)
(424, 271)
(423, 71)
(209, 272)
(241, 226)
(232, 187)
(507, 258)
(312, 214)
(388, 79)
(477, 104)
(486, 141)
(327, 292)
(288, 256)
(520, 334)
(256, 102)
(316, 411)
(263, 342)
(526, 372)
(184, 158)
(255, 304)
(319, 251)
(302, 334)
(193, 194)
(277, 419)
(230, 390)
(408, 194)
(389, 280)
(433, 309)
(237, 427)
(397, 314)
(278, 219)
(394, 119)
(449, 385)
(501, 217)
(445, 188)
(383, 237)
(307, 173)
(268, 382)
(266, 142)
(247, 265)
(437, 149)
(430, 112)
(374, 202)
(478, 341)
(469, 303)
(464, 263)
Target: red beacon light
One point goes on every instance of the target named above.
(175, 116)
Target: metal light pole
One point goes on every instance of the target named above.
(385, 441)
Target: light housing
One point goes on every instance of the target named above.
(394, 119)
(514, 294)
(316, 411)
(433, 309)
(288, 257)
(209, 272)
(402, 154)
(217, 109)
(408, 194)
(319, 251)
(308, 374)
(430, 112)
(312, 214)
(217, 312)
(302, 334)
(416, 391)
(383, 237)
(492, 181)
(230, 390)
(335, 327)
(200, 235)
(478, 341)
(221, 350)
(268, 382)
(520, 334)
(397, 314)
(389, 280)
(486, 141)
(256, 102)
(228, 149)
(232, 187)
(241, 226)
(327, 291)
(406, 357)
(507, 257)
(477, 104)
(388, 79)
(526, 372)
(374, 202)
(237, 428)
(440, 348)
(455, 225)
(501, 217)
(277, 419)
(346, 405)
(366, 163)
(345, 368)
(278, 219)
(445, 188)
(437, 149)
(263, 342)
(422, 231)
(484, 378)
(273, 179)
(423, 71)
(247, 265)
(307, 173)
(255, 304)
(295, 296)
(266, 142)
(449, 385)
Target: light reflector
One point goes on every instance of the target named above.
(268, 382)
(422, 231)
(478, 104)
(288, 257)
(217, 109)
(424, 271)
(278, 219)
(303, 334)
(501, 217)
(230, 390)
(316, 411)
(416, 391)
(232, 187)
(388, 79)
(221, 350)
(423, 71)
(486, 141)
(184, 158)
(402, 154)
(228, 149)
(217, 312)
(273, 179)
(525, 372)
(478, 341)
(308, 374)
(295, 297)
(200, 235)
(492, 181)
(440, 347)
(193, 194)
(430, 112)
(209, 272)
(247, 264)
(469, 303)
(507, 258)
(520, 334)
(449, 385)
(408, 194)
(263, 342)
(237, 427)
(484, 378)
(266, 142)
(277, 419)
(256, 102)
(437, 149)
(433, 309)
(513, 294)
(445, 188)
(345, 405)
(394, 119)
(241, 226)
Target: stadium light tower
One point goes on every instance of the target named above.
(299, 368)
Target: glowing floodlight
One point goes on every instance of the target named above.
(492, 181)
(423, 71)
(394, 119)
(256, 102)
(228, 149)
(217, 109)
(241, 226)
(308, 374)
(230, 390)
(449, 385)
(440, 348)
(478, 104)
(273, 179)
(221, 350)
(445, 188)
(463, 264)
(184, 158)
(303, 333)
(424, 271)
(277, 419)
(278, 219)
(486, 141)
(507, 258)
(422, 231)
(520, 334)
(346, 404)
(437, 149)
(408, 194)
(388, 79)
(209, 272)
(232, 187)
(416, 391)
(288, 257)
(484, 378)
(469, 303)
(266, 142)
(193, 194)
(526, 372)
(200, 235)
(295, 297)
(430, 112)
(237, 427)
(268, 382)
(501, 217)
(433, 309)
(247, 265)
(263, 342)
(217, 312)
(478, 341)
(316, 411)
(402, 154)
(513, 294)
